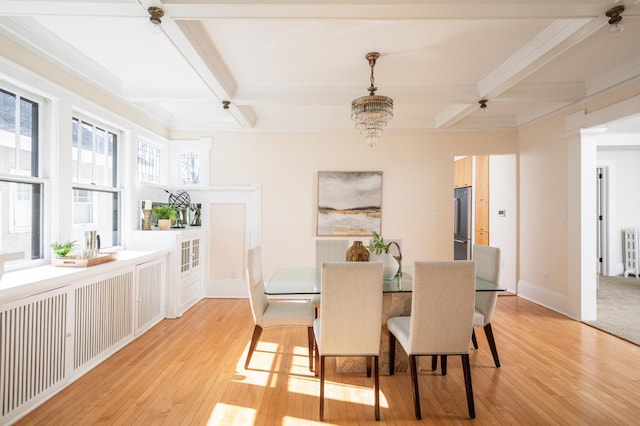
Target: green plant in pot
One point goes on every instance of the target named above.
(166, 215)
(63, 249)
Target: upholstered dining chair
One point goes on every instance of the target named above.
(441, 320)
(334, 250)
(350, 318)
(487, 268)
(266, 313)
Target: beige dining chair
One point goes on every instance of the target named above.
(441, 320)
(267, 313)
(350, 320)
(329, 250)
(487, 268)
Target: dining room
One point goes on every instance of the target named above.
(107, 109)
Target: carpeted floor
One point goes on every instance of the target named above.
(619, 307)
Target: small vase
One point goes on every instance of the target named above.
(357, 253)
(164, 224)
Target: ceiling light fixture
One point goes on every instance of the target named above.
(155, 15)
(615, 18)
(372, 113)
(483, 104)
(225, 104)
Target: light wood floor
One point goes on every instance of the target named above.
(190, 371)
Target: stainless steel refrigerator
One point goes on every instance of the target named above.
(462, 223)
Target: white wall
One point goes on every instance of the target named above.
(503, 228)
(417, 184)
(624, 196)
(557, 203)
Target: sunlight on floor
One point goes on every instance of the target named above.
(224, 414)
(265, 370)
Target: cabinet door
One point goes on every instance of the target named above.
(195, 253)
(482, 238)
(482, 217)
(185, 256)
(482, 179)
(462, 172)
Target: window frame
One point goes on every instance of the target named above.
(36, 179)
(115, 189)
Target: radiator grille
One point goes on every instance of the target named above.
(149, 292)
(103, 316)
(32, 349)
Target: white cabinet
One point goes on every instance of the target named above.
(185, 272)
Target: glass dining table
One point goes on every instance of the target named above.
(303, 282)
(307, 281)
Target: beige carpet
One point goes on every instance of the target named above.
(619, 307)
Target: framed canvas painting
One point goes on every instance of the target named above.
(349, 203)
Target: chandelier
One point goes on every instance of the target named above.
(371, 113)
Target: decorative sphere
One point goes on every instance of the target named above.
(179, 200)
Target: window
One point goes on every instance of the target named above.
(148, 162)
(96, 196)
(21, 187)
(190, 168)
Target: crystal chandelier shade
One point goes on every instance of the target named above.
(372, 113)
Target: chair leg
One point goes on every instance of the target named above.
(466, 368)
(392, 353)
(434, 362)
(414, 383)
(322, 388)
(311, 337)
(317, 357)
(257, 331)
(368, 359)
(488, 331)
(376, 386)
(473, 339)
(443, 361)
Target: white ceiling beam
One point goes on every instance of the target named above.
(190, 39)
(561, 35)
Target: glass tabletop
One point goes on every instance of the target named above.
(299, 281)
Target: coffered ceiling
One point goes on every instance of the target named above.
(296, 65)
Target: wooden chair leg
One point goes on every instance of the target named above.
(466, 368)
(414, 383)
(474, 340)
(311, 337)
(368, 366)
(317, 357)
(434, 362)
(488, 331)
(392, 353)
(443, 366)
(322, 388)
(376, 386)
(257, 331)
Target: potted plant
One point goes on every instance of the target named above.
(166, 215)
(63, 249)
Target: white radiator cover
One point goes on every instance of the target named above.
(32, 350)
(103, 316)
(50, 339)
(631, 241)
